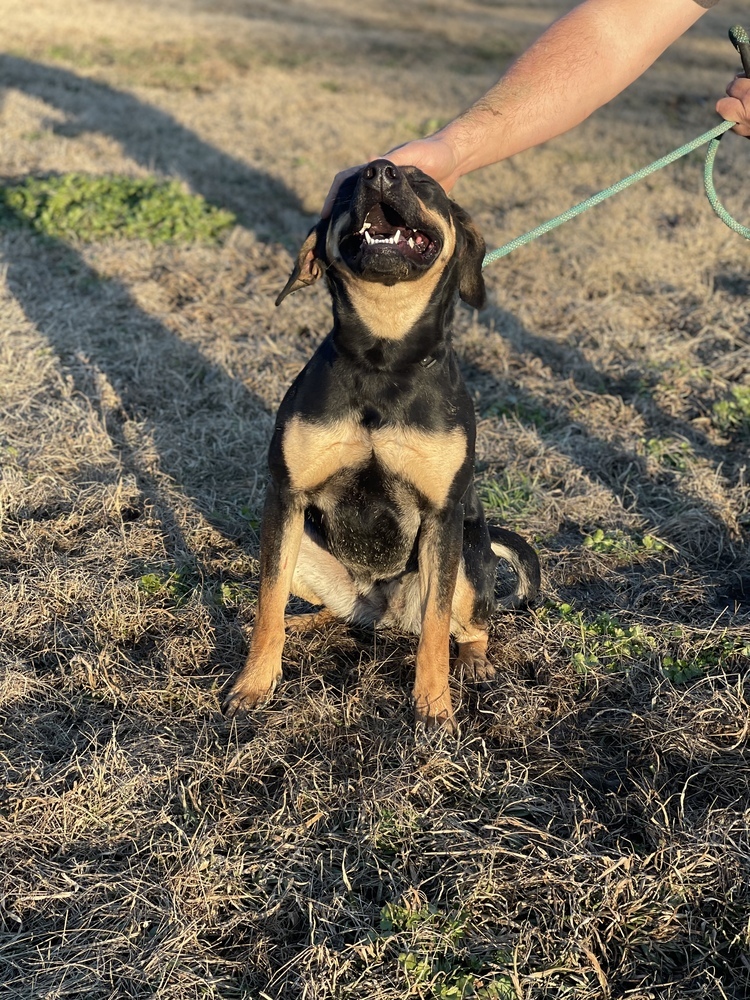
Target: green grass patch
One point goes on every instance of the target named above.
(523, 411)
(232, 594)
(732, 415)
(196, 64)
(393, 830)
(670, 452)
(510, 496)
(89, 208)
(687, 666)
(603, 642)
(174, 586)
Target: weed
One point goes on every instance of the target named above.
(671, 452)
(232, 593)
(732, 416)
(680, 670)
(392, 830)
(85, 207)
(689, 666)
(174, 585)
(438, 960)
(601, 642)
(626, 548)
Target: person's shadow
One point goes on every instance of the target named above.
(150, 387)
(158, 142)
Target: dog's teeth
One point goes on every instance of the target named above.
(411, 242)
(397, 237)
(368, 238)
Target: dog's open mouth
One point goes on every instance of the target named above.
(384, 230)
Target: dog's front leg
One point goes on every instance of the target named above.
(281, 533)
(439, 557)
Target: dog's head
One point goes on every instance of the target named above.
(390, 225)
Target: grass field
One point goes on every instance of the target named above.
(586, 834)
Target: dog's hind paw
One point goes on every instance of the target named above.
(308, 621)
(471, 662)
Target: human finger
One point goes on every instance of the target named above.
(338, 180)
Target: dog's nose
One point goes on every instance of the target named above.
(381, 175)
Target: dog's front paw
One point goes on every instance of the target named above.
(251, 689)
(433, 711)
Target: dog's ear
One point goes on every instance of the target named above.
(310, 263)
(471, 254)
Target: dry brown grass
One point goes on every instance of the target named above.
(587, 834)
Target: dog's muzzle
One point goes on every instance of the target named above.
(386, 215)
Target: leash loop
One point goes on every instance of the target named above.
(712, 136)
(716, 205)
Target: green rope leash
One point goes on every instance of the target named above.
(741, 41)
(716, 205)
(712, 136)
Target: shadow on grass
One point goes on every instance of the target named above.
(130, 367)
(708, 543)
(159, 143)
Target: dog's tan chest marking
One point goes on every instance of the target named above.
(314, 452)
(427, 460)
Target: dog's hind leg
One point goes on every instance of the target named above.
(309, 621)
(321, 579)
(470, 631)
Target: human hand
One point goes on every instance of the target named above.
(736, 107)
(338, 180)
(435, 156)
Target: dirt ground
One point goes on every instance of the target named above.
(586, 835)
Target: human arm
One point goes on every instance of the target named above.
(578, 64)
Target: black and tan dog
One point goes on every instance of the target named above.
(371, 509)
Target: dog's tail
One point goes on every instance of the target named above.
(523, 560)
